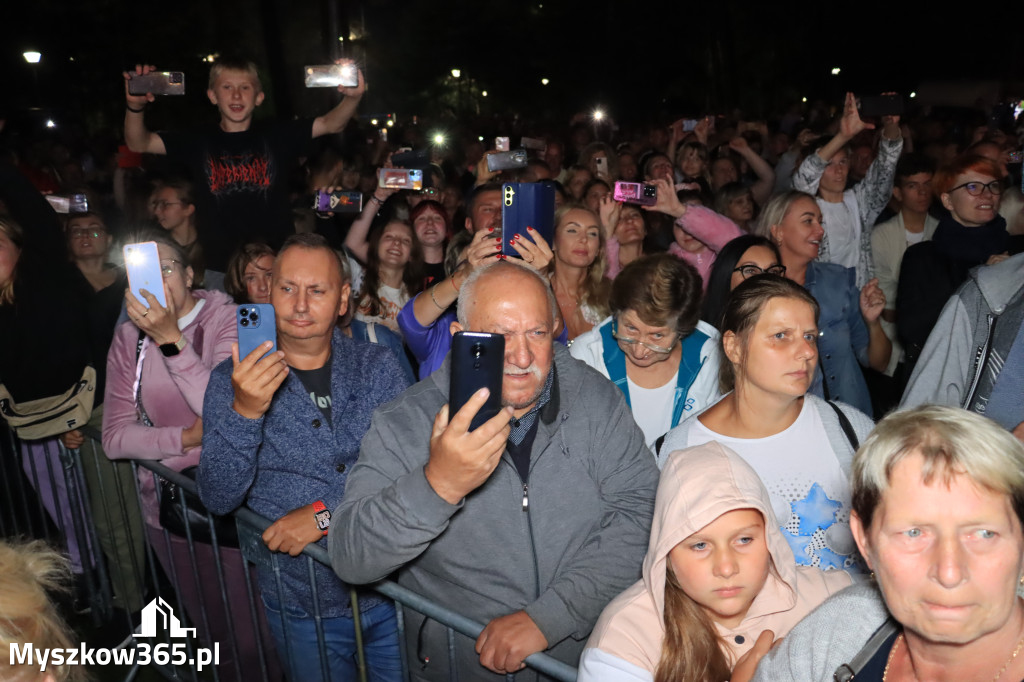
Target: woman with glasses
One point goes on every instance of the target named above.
(157, 371)
(175, 211)
(851, 335)
(746, 256)
(800, 446)
(654, 347)
(971, 234)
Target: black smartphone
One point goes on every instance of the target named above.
(157, 82)
(526, 204)
(881, 105)
(418, 158)
(477, 361)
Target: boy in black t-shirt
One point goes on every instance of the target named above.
(240, 168)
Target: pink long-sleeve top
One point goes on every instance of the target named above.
(714, 230)
(171, 388)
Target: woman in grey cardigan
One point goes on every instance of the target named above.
(938, 496)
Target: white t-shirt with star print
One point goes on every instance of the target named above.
(810, 494)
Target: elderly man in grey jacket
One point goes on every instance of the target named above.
(531, 523)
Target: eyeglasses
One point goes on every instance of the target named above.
(83, 232)
(976, 188)
(161, 205)
(632, 341)
(748, 271)
(167, 267)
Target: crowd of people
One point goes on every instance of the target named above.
(698, 375)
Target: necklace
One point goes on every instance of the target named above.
(896, 645)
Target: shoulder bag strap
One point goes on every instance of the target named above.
(846, 426)
(848, 671)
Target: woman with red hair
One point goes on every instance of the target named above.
(971, 234)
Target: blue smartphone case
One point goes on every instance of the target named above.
(526, 204)
(142, 263)
(256, 324)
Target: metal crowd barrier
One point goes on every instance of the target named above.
(121, 563)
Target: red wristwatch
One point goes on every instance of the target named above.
(323, 516)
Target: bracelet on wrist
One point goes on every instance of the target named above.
(135, 111)
(434, 299)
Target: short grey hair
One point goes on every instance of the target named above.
(467, 292)
(951, 441)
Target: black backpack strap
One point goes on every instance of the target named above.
(658, 443)
(846, 426)
(848, 671)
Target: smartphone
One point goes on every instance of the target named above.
(501, 144)
(500, 161)
(690, 124)
(526, 204)
(602, 166)
(400, 178)
(636, 193)
(142, 263)
(533, 143)
(256, 324)
(157, 82)
(332, 75)
(477, 361)
(74, 203)
(419, 158)
(339, 201)
(881, 105)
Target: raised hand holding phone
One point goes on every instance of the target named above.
(461, 460)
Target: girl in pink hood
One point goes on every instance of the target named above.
(718, 573)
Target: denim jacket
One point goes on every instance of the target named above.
(844, 336)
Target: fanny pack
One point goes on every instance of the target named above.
(46, 417)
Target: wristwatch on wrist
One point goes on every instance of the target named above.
(323, 516)
(171, 349)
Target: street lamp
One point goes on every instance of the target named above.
(456, 73)
(33, 57)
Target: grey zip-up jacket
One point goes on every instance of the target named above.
(560, 548)
(971, 339)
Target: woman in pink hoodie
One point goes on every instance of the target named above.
(718, 573)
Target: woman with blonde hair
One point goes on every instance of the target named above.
(577, 270)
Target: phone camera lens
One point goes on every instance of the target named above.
(244, 322)
(254, 316)
(478, 350)
(244, 312)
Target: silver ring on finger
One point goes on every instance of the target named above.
(145, 313)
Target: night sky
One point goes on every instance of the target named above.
(642, 61)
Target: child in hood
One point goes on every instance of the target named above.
(718, 572)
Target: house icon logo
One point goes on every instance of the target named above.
(158, 615)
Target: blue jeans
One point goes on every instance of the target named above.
(300, 653)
